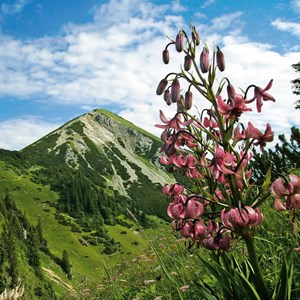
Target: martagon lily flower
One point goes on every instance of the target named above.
(262, 138)
(289, 191)
(220, 163)
(234, 109)
(261, 95)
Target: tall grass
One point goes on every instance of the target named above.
(168, 269)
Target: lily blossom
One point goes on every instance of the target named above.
(176, 209)
(262, 138)
(235, 107)
(288, 191)
(261, 95)
(218, 242)
(220, 163)
(235, 217)
(174, 189)
(175, 123)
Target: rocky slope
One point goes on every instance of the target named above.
(112, 152)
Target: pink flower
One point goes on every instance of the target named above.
(260, 95)
(288, 191)
(262, 138)
(184, 138)
(218, 242)
(235, 217)
(175, 189)
(175, 123)
(220, 163)
(234, 109)
(176, 209)
(194, 209)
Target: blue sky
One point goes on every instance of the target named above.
(60, 59)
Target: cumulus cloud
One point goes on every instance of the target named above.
(290, 27)
(115, 61)
(19, 133)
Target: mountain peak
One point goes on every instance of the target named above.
(113, 151)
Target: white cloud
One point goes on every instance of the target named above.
(12, 9)
(296, 5)
(19, 133)
(291, 27)
(208, 3)
(116, 61)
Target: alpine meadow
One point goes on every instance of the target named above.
(100, 208)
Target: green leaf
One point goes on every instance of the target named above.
(283, 289)
(267, 181)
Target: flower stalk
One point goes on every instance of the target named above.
(258, 277)
(213, 151)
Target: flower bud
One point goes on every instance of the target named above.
(175, 90)
(220, 60)
(187, 63)
(204, 60)
(161, 86)
(166, 56)
(230, 91)
(188, 100)
(167, 97)
(195, 36)
(179, 43)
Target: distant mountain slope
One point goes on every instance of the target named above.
(111, 152)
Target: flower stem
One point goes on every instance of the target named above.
(258, 278)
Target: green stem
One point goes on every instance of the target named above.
(258, 278)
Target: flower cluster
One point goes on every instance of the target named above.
(289, 191)
(213, 149)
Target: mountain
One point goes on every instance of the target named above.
(73, 197)
(111, 152)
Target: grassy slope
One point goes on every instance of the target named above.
(86, 260)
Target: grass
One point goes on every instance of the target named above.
(36, 202)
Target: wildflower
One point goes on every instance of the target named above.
(184, 138)
(218, 242)
(236, 217)
(261, 94)
(175, 123)
(194, 209)
(220, 163)
(262, 138)
(289, 191)
(184, 288)
(234, 109)
(174, 189)
(176, 209)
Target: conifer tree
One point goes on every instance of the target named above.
(33, 245)
(296, 84)
(11, 250)
(65, 264)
